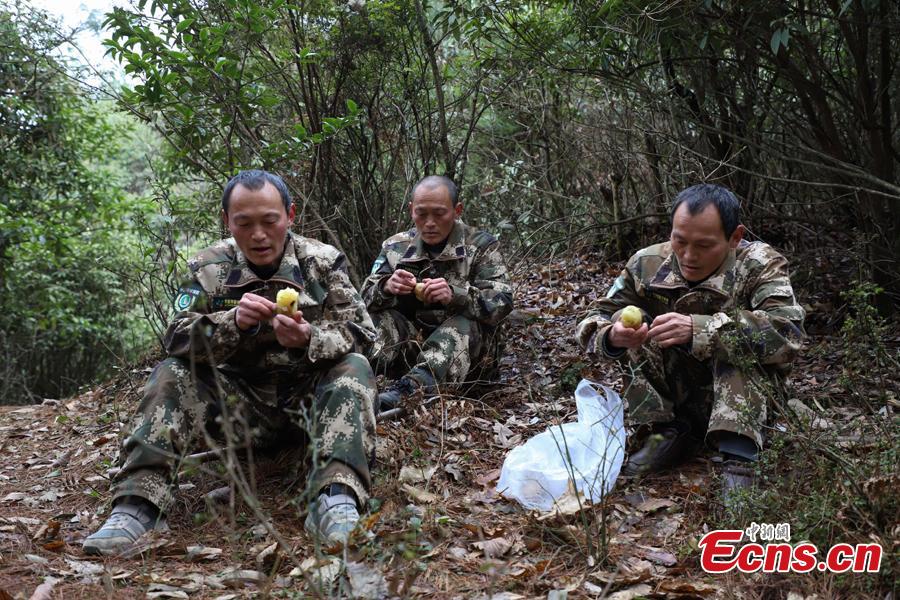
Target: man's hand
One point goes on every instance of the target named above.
(253, 309)
(672, 329)
(400, 283)
(437, 291)
(292, 332)
(626, 337)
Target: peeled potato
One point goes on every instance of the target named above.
(420, 291)
(631, 317)
(286, 301)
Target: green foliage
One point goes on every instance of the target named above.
(64, 220)
(866, 357)
(847, 495)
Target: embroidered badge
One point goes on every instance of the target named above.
(186, 298)
(221, 303)
(378, 262)
(618, 284)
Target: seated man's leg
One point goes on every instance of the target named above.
(343, 422)
(448, 353)
(168, 422)
(395, 343)
(738, 418)
(668, 394)
(446, 357)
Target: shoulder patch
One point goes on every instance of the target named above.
(378, 262)
(618, 284)
(187, 297)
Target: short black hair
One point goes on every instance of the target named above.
(699, 196)
(256, 179)
(433, 181)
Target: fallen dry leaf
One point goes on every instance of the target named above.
(570, 503)
(320, 572)
(666, 559)
(22, 520)
(45, 590)
(199, 553)
(366, 582)
(495, 547)
(267, 556)
(687, 587)
(641, 589)
(162, 590)
(241, 577)
(654, 504)
(87, 570)
(412, 474)
(420, 495)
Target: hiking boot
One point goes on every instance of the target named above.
(129, 520)
(668, 445)
(332, 518)
(396, 393)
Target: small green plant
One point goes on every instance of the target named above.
(866, 357)
(571, 375)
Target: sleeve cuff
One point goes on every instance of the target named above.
(705, 330)
(606, 347)
(316, 348)
(460, 299)
(383, 299)
(244, 332)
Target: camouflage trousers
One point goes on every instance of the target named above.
(713, 395)
(328, 412)
(448, 353)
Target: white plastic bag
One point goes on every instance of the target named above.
(588, 453)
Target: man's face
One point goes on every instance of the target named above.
(433, 213)
(259, 223)
(699, 242)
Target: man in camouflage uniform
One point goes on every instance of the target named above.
(721, 328)
(236, 369)
(445, 329)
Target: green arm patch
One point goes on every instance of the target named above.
(187, 297)
(618, 284)
(378, 262)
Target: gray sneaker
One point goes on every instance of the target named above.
(332, 518)
(128, 521)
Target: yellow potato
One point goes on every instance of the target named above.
(420, 291)
(286, 301)
(631, 317)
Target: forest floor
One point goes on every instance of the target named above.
(439, 529)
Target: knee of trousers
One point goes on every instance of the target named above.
(168, 372)
(172, 382)
(460, 328)
(393, 330)
(355, 366)
(351, 378)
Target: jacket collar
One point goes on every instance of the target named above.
(668, 276)
(454, 249)
(289, 270)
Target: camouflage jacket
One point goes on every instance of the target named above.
(750, 294)
(471, 264)
(204, 327)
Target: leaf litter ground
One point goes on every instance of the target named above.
(439, 529)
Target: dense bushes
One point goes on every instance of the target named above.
(65, 221)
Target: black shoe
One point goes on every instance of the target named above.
(668, 445)
(396, 393)
(737, 477)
